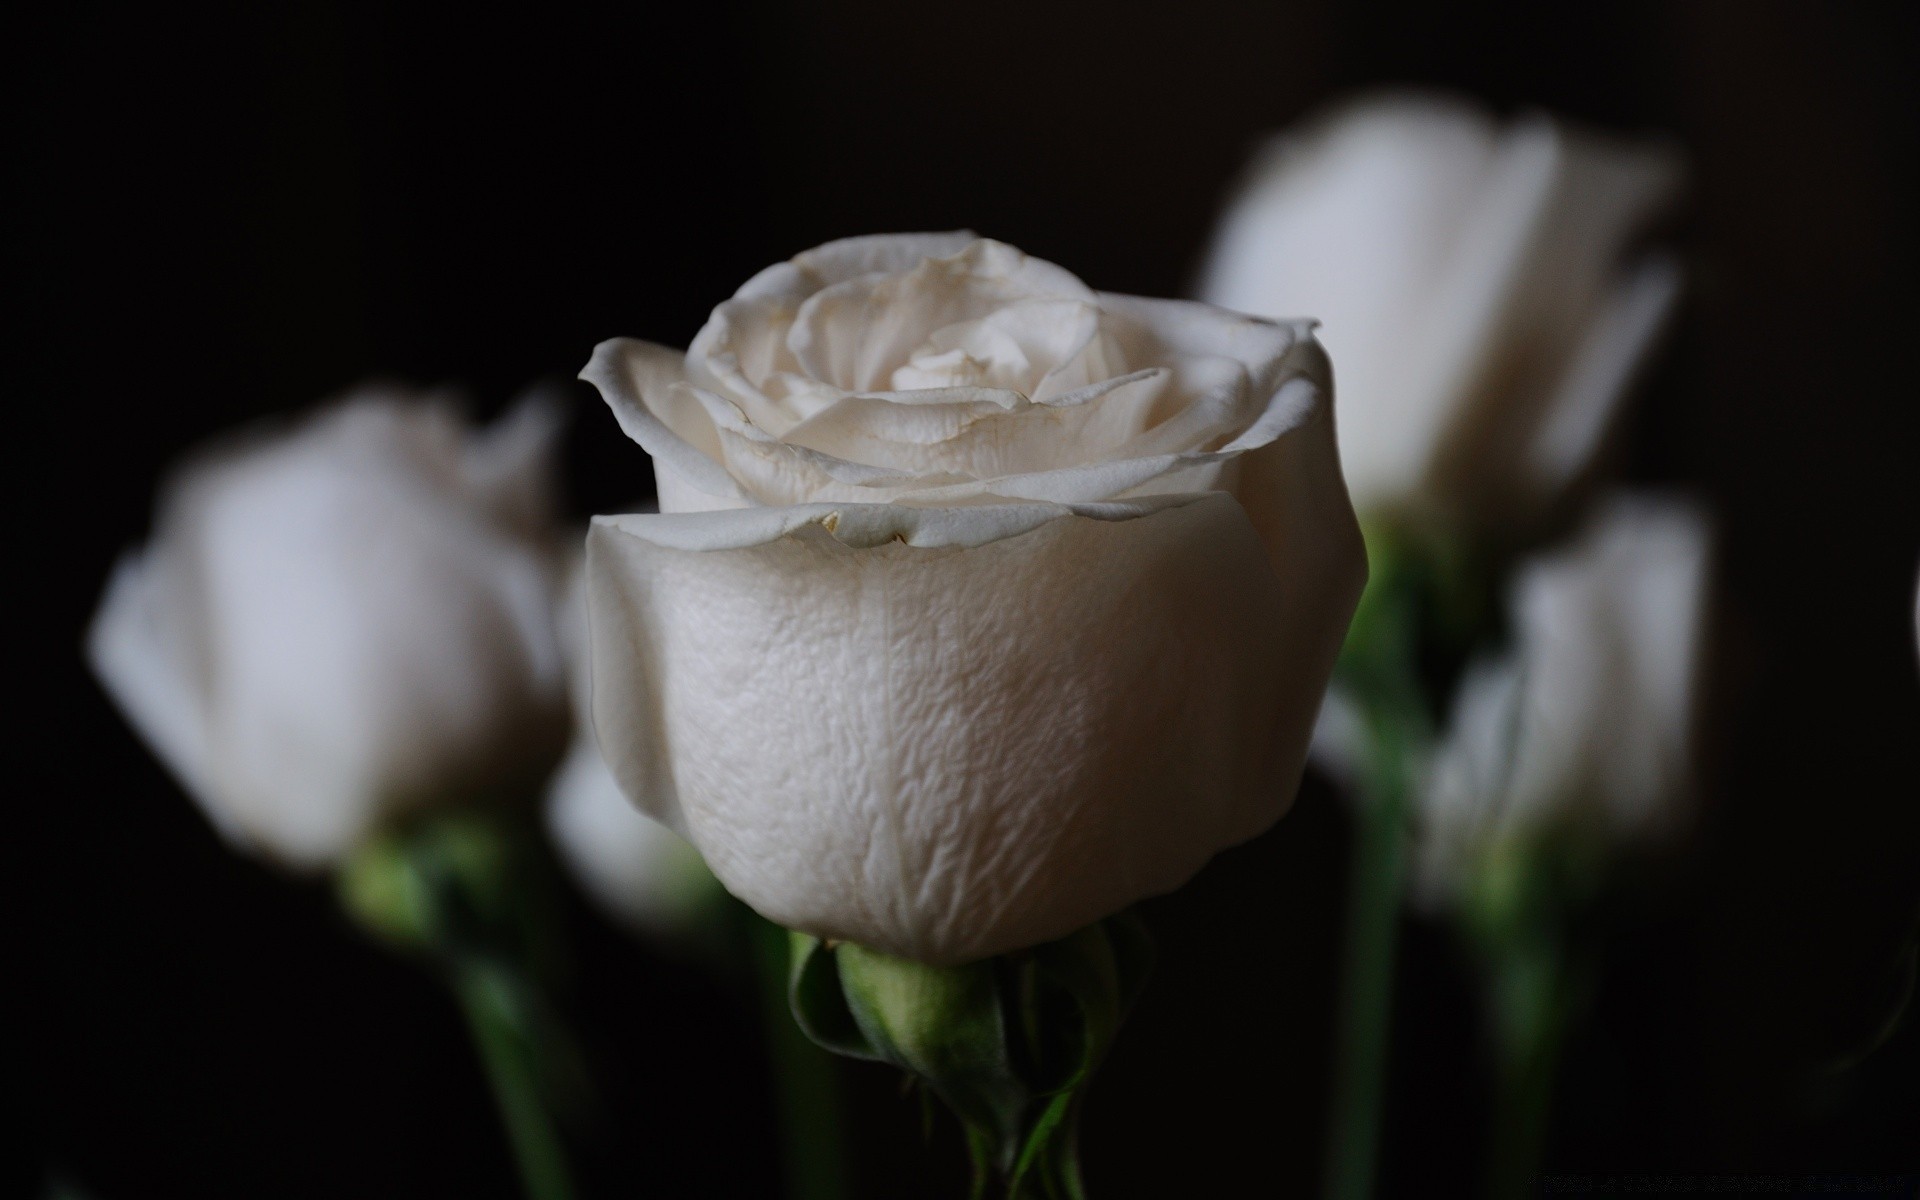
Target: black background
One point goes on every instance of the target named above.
(221, 212)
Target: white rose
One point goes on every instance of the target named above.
(1475, 286)
(981, 604)
(344, 620)
(634, 867)
(1588, 717)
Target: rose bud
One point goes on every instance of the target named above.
(1586, 722)
(344, 620)
(1477, 286)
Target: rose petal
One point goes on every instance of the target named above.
(1455, 265)
(849, 258)
(949, 734)
(141, 646)
(331, 625)
(1576, 419)
(1533, 275)
(980, 433)
(854, 334)
(639, 380)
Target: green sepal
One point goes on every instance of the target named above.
(1008, 1043)
(454, 879)
(462, 892)
(819, 1005)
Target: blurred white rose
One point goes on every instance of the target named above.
(1476, 287)
(634, 867)
(1589, 716)
(344, 620)
(981, 604)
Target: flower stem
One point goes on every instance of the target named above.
(806, 1089)
(1538, 990)
(496, 1014)
(461, 894)
(1377, 883)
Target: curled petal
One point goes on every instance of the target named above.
(856, 333)
(644, 386)
(850, 258)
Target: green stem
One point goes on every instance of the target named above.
(496, 1015)
(1540, 994)
(1377, 883)
(806, 1090)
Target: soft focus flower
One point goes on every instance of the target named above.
(981, 604)
(1588, 717)
(342, 621)
(1476, 285)
(636, 868)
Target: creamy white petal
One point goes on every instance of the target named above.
(741, 353)
(1293, 492)
(370, 642)
(1589, 716)
(856, 333)
(1458, 267)
(634, 867)
(1355, 220)
(1292, 407)
(941, 746)
(359, 626)
(850, 258)
(641, 381)
(1582, 407)
(994, 650)
(983, 433)
(1535, 272)
(1017, 346)
(141, 647)
(1340, 738)
(507, 469)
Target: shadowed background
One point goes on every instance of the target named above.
(218, 214)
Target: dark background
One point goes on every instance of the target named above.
(221, 212)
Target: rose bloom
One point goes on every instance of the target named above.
(1587, 717)
(341, 621)
(1479, 287)
(980, 604)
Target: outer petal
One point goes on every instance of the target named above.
(644, 384)
(1580, 412)
(142, 648)
(1611, 633)
(1354, 220)
(1589, 717)
(633, 866)
(1458, 268)
(1560, 322)
(949, 733)
(1297, 499)
(508, 468)
(636, 868)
